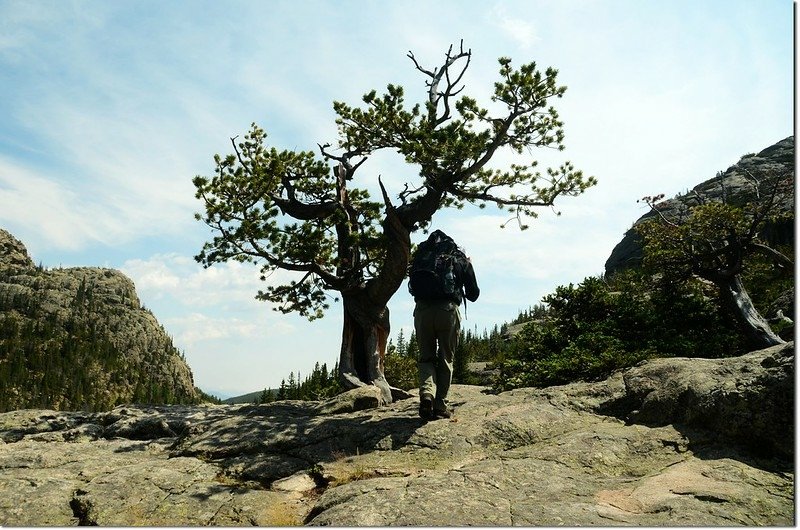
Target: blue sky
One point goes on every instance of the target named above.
(110, 108)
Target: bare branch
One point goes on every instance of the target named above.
(434, 95)
(410, 55)
(778, 256)
(505, 201)
(344, 159)
(386, 200)
(651, 202)
(754, 182)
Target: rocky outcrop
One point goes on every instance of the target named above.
(666, 443)
(79, 338)
(12, 252)
(733, 186)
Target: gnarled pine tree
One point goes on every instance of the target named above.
(302, 212)
(711, 239)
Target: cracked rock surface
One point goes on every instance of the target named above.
(661, 444)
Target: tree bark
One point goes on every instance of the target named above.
(366, 317)
(738, 302)
(365, 332)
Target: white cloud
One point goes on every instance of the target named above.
(153, 275)
(212, 315)
(196, 328)
(574, 240)
(59, 215)
(518, 29)
(181, 278)
(205, 302)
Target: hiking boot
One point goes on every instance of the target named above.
(444, 413)
(426, 408)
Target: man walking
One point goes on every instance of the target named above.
(440, 276)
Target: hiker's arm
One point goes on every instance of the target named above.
(471, 290)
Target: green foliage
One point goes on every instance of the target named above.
(400, 365)
(401, 368)
(42, 367)
(461, 360)
(712, 238)
(765, 279)
(717, 241)
(266, 396)
(205, 397)
(282, 391)
(594, 328)
(253, 202)
(709, 239)
(532, 313)
(452, 149)
(290, 210)
(471, 348)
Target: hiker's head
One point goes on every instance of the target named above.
(437, 235)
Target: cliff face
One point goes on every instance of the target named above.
(734, 186)
(672, 442)
(79, 338)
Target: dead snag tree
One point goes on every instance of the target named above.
(304, 211)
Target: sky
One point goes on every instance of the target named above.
(109, 109)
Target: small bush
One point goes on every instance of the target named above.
(401, 370)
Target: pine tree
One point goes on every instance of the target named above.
(402, 345)
(461, 358)
(412, 350)
(303, 211)
(282, 391)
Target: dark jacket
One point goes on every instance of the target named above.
(464, 273)
(465, 276)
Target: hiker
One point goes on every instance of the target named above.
(440, 276)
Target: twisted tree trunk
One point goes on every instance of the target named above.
(365, 333)
(365, 330)
(736, 299)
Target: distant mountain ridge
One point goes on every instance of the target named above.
(252, 397)
(79, 338)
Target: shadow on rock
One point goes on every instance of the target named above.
(291, 436)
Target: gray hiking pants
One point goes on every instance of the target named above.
(437, 324)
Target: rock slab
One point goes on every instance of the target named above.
(661, 444)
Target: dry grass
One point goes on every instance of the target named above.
(285, 513)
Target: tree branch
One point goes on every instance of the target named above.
(434, 95)
(258, 251)
(778, 256)
(505, 201)
(651, 202)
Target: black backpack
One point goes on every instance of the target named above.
(432, 273)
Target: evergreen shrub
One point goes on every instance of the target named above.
(599, 326)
